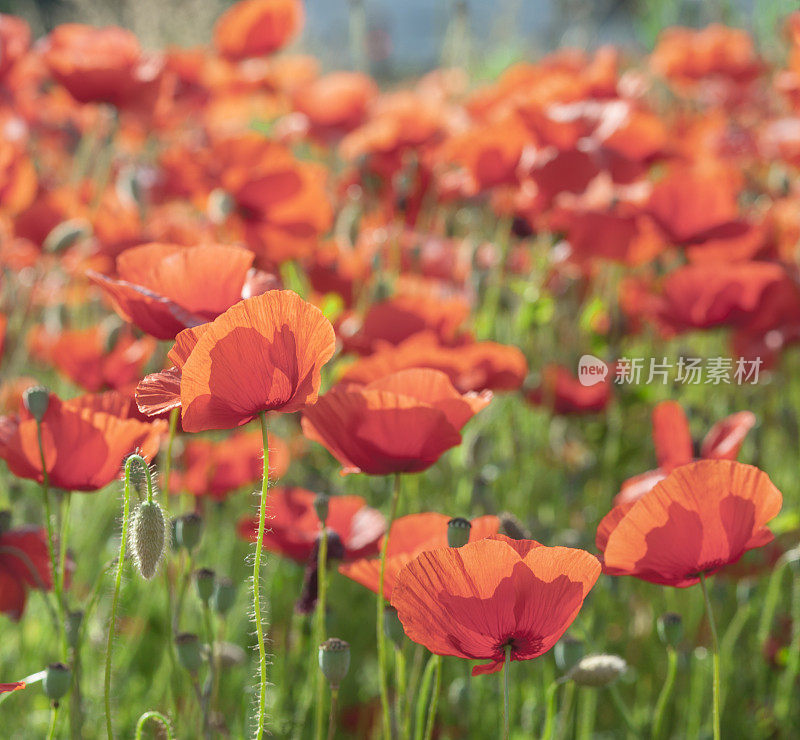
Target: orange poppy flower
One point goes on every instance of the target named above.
(294, 525)
(3, 329)
(251, 28)
(477, 366)
(18, 181)
(91, 358)
(262, 354)
(24, 564)
(165, 288)
(6, 687)
(218, 468)
(700, 518)
(563, 393)
(409, 537)
(475, 601)
(85, 439)
(15, 39)
(401, 423)
(674, 446)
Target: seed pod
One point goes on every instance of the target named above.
(56, 681)
(334, 660)
(148, 534)
(73, 623)
(224, 595)
(568, 651)
(670, 629)
(36, 400)
(598, 670)
(321, 502)
(219, 206)
(204, 581)
(188, 530)
(189, 654)
(458, 531)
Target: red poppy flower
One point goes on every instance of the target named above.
(475, 601)
(91, 358)
(217, 468)
(18, 181)
(700, 518)
(15, 39)
(252, 28)
(674, 446)
(3, 328)
(263, 354)
(471, 367)
(410, 536)
(563, 393)
(294, 525)
(24, 564)
(85, 439)
(165, 288)
(401, 423)
(6, 687)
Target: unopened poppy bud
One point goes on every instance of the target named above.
(36, 400)
(458, 530)
(148, 535)
(72, 624)
(204, 581)
(598, 670)
(321, 505)
(334, 660)
(512, 527)
(56, 681)
(568, 651)
(392, 626)
(670, 629)
(5, 521)
(220, 205)
(189, 654)
(64, 235)
(224, 595)
(188, 530)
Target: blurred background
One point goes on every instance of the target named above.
(392, 39)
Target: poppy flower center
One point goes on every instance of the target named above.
(708, 567)
(521, 645)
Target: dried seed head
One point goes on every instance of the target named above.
(148, 535)
(458, 530)
(598, 670)
(334, 660)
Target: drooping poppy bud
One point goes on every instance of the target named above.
(334, 660)
(598, 670)
(148, 535)
(458, 530)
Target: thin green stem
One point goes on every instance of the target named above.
(666, 693)
(262, 652)
(400, 682)
(173, 424)
(715, 645)
(413, 680)
(156, 717)
(384, 684)
(319, 629)
(787, 691)
(550, 711)
(506, 715)
(51, 731)
(332, 713)
(422, 697)
(208, 618)
(613, 689)
(434, 705)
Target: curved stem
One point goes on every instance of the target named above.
(319, 627)
(666, 693)
(262, 652)
(437, 687)
(715, 644)
(384, 685)
(156, 717)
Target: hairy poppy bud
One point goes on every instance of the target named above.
(512, 527)
(458, 530)
(188, 530)
(598, 670)
(334, 660)
(568, 651)
(56, 681)
(204, 581)
(321, 502)
(392, 626)
(36, 400)
(5, 521)
(224, 595)
(64, 235)
(148, 534)
(670, 629)
(189, 654)
(73, 623)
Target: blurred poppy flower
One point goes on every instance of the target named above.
(18, 181)
(476, 601)
(409, 536)
(15, 40)
(475, 366)
(674, 445)
(563, 393)
(85, 440)
(93, 358)
(165, 288)
(252, 28)
(263, 354)
(3, 329)
(6, 687)
(220, 467)
(24, 564)
(401, 423)
(700, 518)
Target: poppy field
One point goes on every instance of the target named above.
(456, 407)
